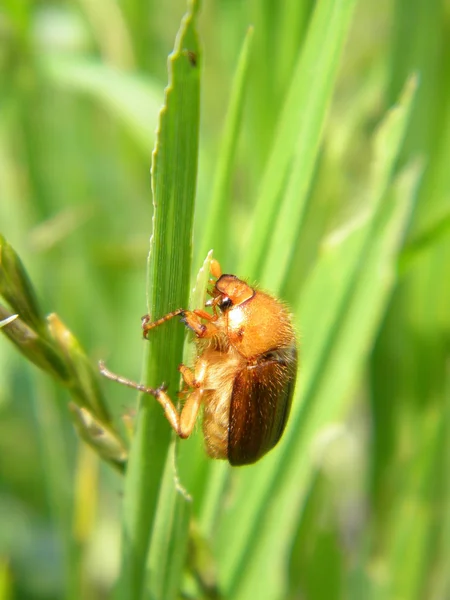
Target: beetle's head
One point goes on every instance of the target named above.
(229, 291)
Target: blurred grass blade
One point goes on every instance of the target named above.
(85, 382)
(297, 141)
(29, 331)
(174, 171)
(114, 41)
(17, 290)
(60, 355)
(134, 100)
(433, 234)
(409, 552)
(409, 547)
(6, 580)
(294, 20)
(8, 320)
(38, 350)
(86, 495)
(94, 433)
(355, 273)
(299, 131)
(52, 347)
(218, 203)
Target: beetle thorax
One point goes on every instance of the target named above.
(258, 326)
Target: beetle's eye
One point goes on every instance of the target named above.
(225, 303)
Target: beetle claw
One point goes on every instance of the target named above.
(185, 320)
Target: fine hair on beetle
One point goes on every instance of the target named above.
(243, 375)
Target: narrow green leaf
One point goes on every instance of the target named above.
(185, 463)
(132, 99)
(167, 554)
(84, 384)
(174, 171)
(354, 274)
(299, 131)
(114, 41)
(107, 445)
(410, 528)
(277, 219)
(218, 204)
(433, 234)
(291, 30)
(6, 580)
(17, 290)
(40, 351)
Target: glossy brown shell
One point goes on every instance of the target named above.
(260, 404)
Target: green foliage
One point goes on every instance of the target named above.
(310, 152)
(174, 174)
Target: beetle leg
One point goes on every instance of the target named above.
(124, 381)
(188, 316)
(182, 423)
(204, 315)
(147, 324)
(188, 376)
(189, 413)
(191, 378)
(202, 330)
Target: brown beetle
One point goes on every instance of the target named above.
(244, 374)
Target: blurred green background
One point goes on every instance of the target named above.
(81, 86)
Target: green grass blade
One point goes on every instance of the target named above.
(132, 99)
(114, 41)
(167, 555)
(352, 503)
(133, 12)
(355, 273)
(301, 124)
(218, 205)
(297, 139)
(410, 535)
(184, 466)
(6, 580)
(433, 234)
(293, 24)
(17, 289)
(174, 170)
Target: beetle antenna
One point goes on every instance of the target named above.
(124, 381)
(147, 324)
